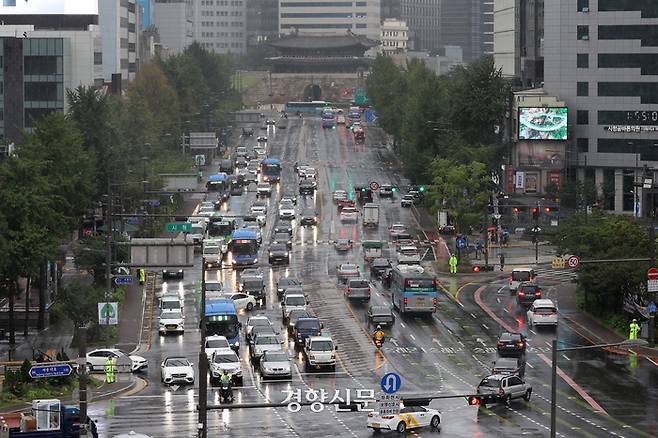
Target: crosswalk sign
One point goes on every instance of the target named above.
(558, 263)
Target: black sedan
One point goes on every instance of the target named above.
(282, 238)
(306, 187)
(284, 283)
(279, 254)
(380, 315)
(511, 344)
(308, 217)
(283, 226)
(169, 274)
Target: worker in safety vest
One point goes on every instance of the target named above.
(142, 276)
(109, 370)
(453, 264)
(634, 329)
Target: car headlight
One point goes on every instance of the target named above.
(271, 254)
(256, 260)
(286, 253)
(237, 343)
(311, 356)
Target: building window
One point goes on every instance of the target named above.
(583, 60)
(647, 33)
(583, 5)
(582, 117)
(582, 145)
(98, 58)
(608, 189)
(582, 89)
(646, 91)
(42, 65)
(628, 200)
(646, 62)
(583, 32)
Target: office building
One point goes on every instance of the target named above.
(120, 28)
(173, 20)
(262, 20)
(394, 36)
(600, 58)
(390, 9)
(333, 17)
(518, 41)
(464, 23)
(147, 9)
(221, 25)
(40, 62)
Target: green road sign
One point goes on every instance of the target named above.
(179, 227)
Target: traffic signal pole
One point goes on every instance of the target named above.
(203, 360)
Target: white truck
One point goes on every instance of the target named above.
(371, 215)
(320, 352)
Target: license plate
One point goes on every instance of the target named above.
(375, 425)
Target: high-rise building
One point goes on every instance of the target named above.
(518, 40)
(120, 27)
(464, 23)
(600, 58)
(148, 8)
(43, 55)
(173, 19)
(221, 25)
(334, 17)
(394, 36)
(390, 9)
(262, 20)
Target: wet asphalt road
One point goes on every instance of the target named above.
(447, 353)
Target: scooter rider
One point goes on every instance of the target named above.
(379, 335)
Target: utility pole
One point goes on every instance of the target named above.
(203, 360)
(553, 386)
(82, 376)
(652, 246)
(535, 231)
(109, 229)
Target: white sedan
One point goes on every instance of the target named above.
(242, 301)
(340, 195)
(411, 417)
(396, 229)
(96, 359)
(349, 214)
(176, 370)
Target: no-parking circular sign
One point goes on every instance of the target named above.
(374, 185)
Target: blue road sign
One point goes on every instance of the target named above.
(651, 307)
(461, 243)
(123, 280)
(54, 370)
(391, 383)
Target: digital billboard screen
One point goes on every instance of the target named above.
(49, 7)
(543, 123)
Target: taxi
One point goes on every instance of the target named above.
(410, 417)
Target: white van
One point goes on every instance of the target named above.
(521, 275)
(212, 254)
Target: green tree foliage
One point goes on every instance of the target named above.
(79, 302)
(601, 236)
(153, 87)
(386, 87)
(462, 189)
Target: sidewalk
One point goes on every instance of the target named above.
(589, 327)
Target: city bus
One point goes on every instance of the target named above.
(244, 248)
(270, 170)
(314, 107)
(328, 118)
(413, 292)
(219, 183)
(221, 319)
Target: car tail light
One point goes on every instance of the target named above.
(435, 301)
(405, 301)
(501, 392)
(370, 415)
(388, 417)
(521, 294)
(369, 292)
(519, 344)
(349, 290)
(500, 343)
(537, 294)
(510, 279)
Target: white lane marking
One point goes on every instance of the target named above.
(412, 336)
(548, 343)
(529, 364)
(436, 341)
(403, 326)
(498, 299)
(499, 290)
(533, 332)
(473, 315)
(505, 310)
(485, 326)
(565, 356)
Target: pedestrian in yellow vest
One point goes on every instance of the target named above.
(634, 329)
(453, 264)
(142, 276)
(109, 370)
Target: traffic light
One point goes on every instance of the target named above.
(421, 189)
(535, 213)
(516, 210)
(475, 268)
(394, 189)
(474, 401)
(547, 209)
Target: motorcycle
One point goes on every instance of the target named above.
(225, 392)
(378, 342)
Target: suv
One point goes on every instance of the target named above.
(304, 328)
(527, 293)
(306, 187)
(320, 352)
(511, 344)
(386, 190)
(292, 301)
(508, 365)
(253, 286)
(357, 289)
(284, 283)
(503, 388)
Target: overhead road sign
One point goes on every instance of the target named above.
(179, 227)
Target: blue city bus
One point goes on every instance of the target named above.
(219, 183)
(328, 118)
(244, 248)
(222, 320)
(314, 107)
(412, 292)
(270, 170)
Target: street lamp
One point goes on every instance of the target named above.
(555, 350)
(202, 423)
